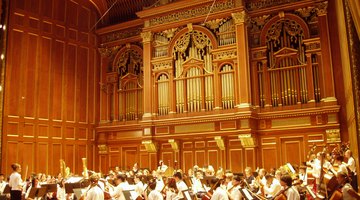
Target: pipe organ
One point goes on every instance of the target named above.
(254, 75)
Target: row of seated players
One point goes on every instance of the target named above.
(265, 184)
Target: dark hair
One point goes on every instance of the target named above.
(267, 176)
(286, 179)
(121, 177)
(236, 177)
(215, 183)
(178, 174)
(152, 184)
(172, 183)
(2, 174)
(15, 166)
(340, 158)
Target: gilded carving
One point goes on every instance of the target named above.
(190, 27)
(103, 149)
(239, 17)
(108, 51)
(118, 35)
(305, 12)
(170, 32)
(223, 55)
(162, 65)
(214, 24)
(321, 8)
(186, 14)
(146, 36)
(333, 136)
(259, 4)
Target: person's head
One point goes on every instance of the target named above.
(342, 178)
(248, 171)
(229, 176)
(34, 182)
(177, 176)
(278, 174)
(16, 167)
(2, 177)
(262, 172)
(236, 179)
(172, 183)
(215, 183)
(190, 172)
(94, 178)
(339, 159)
(199, 174)
(152, 184)
(120, 178)
(286, 180)
(348, 153)
(269, 179)
(302, 169)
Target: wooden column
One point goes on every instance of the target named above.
(147, 38)
(326, 69)
(242, 59)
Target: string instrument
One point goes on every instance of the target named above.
(209, 193)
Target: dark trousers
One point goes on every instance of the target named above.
(15, 195)
(354, 183)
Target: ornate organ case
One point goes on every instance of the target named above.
(230, 84)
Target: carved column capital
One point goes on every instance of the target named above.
(240, 17)
(146, 36)
(321, 8)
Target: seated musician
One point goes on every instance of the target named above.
(228, 179)
(339, 160)
(249, 177)
(139, 186)
(3, 183)
(234, 192)
(159, 181)
(180, 184)
(197, 186)
(162, 167)
(271, 187)
(94, 192)
(288, 190)
(302, 174)
(121, 185)
(219, 192)
(172, 191)
(34, 184)
(348, 193)
(154, 194)
(61, 193)
(352, 168)
(135, 168)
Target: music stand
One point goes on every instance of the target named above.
(127, 194)
(41, 192)
(246, 194)
(32, 193)
(7, 189)
(69, 187)
(50, 187)
(186, 195)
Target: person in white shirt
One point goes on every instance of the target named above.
(289, 190)
(121, 185)
(95, 192)
(172, 191)
(180, 184)
(348, 193)
(3, 183)
(271, 188)
(162, 167)
(234, 191)
(352, 167)
(154, 194)
(16, 182)
(139, 186)
(219, 193)
(342, 166)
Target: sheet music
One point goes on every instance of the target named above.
(247, 194)
(133, 195)
(291, 167)
(74, 179)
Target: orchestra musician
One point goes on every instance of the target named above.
(154, 194)
(162, 167)
(94, 192)
(249, 177)
(288, 190)
(121, 185)
(159, 181)
(3, 183)
(348, 193)
(234, 192)
(16, 182)
(180, 184)
(342, 166)
(135, 168)
(352, 168)
(139, 186)
(271, 187)
(34, 184)
(172, 191)
(219, 192)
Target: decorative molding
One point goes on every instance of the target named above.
(103, 149)
(259, 4)
(189, 128)
(186, 14)
(224, 55)
(162, 64)
(305, 12)
(174, 144)
(247, 140)
(321, 8)
(108, 51)
(240, 17)
(123, 34)
(220, 142)
(333, 136)
(289, 122)
(146, 36)
(149, 146)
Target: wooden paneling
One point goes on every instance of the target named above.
(235, 160)
(200, 158)
(55, 157)
(187, 160)
(292, 150)
(114, 160)
(269, 157)
(144, 160)
(129, 157)
(250, 158)
(168, 158)
(43, 157)
(28, 156)
(213, 158)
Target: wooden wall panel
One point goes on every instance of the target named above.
(144, 160)
(236, 160)
(130, 157)
(55, 157)
(292, 150)
(28, 156)
(250, 158)
(269, 157)
(188, 160)
(200, 158)
(168, 158)
(114, 160)
(50, 85)
(214, 159)
(42, 157)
